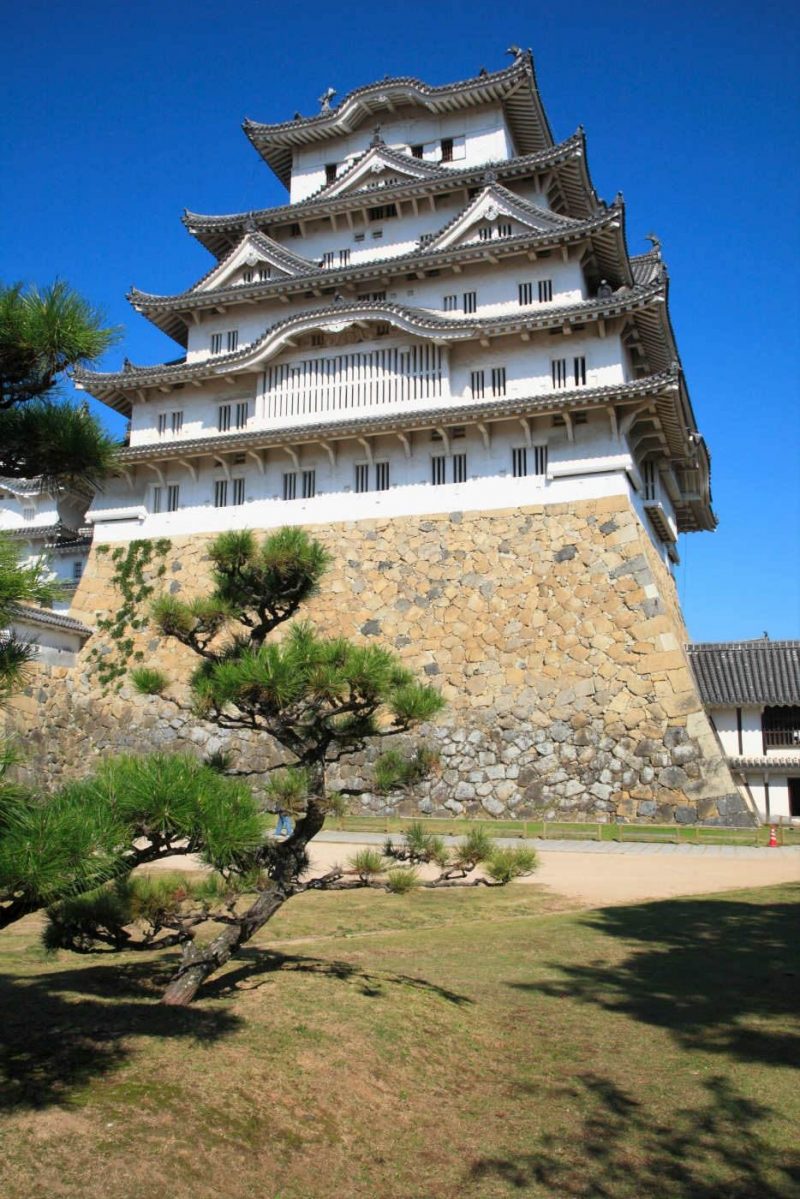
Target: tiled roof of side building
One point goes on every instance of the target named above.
(737, 673)
(47, 618)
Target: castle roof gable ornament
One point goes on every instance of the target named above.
(325, 99)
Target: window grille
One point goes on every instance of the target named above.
(162, 422)
(362, 476)
(318, 339)
(238, 491)
(649, 472)
(157, 499)
(223, 418)
(177, 422)
(376, 297)
(438, 470)
(485, 232)
(377, 233)
(309, 484)
(579, 371)
(344, 258)
(519, 462)
(264, 273)
(330, 172)
(327, 259)
(241, 414)
(558, 367)
(382, 329)
(358, 236)
(382, 212)
(451, 303)
(173, 497)
(416, 151)
(77, 571)
(545, 291)
(540, 459)
(459, 468)
(220, 493)
(504, 231)
(216, 343)
(470, 301)
(525, 293)
(447, 149)
(498, 380)
(381, 476)
(294, 230)
(477, 384)
(290, 485)
(233, 340)
(247, 276)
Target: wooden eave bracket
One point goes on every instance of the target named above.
(260, 459)
(485, 430)
(366, 445)
(292, 453)
(330, 450)
(405, 441)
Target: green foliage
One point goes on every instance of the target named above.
(18, 585)
(88, 831)
(287, 790)
(136, 568)
(504, 865)
(400, 881)
(393, 770)
(475, 847)
(221, 760)
(367, 863)
(42, 334)
(148, 680)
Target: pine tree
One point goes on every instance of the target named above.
(320, 698)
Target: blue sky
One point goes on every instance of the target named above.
(118, 117)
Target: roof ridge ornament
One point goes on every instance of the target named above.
(325, 99)
(377, 140)
(655, 240)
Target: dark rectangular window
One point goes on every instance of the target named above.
(447, 149)
(477, 384)
(233, 340)
(344, 258)
(498, 380)
(294, 230)
(241, 414)
(485, 233)
(327, 259)
(519, 462)
(545, 291)
(470, 301)
(157, 498)
(451, 303)
(238, 491)
(382, 212)
(290, 485)
(177, 422)
(540, 459)
(77, 571)
(459, 468)
(216, 343)
(247, 276)
(525, 293)
(162, 422)
(220, 493)
(264, 273)
(381, 476)
(173, 497)
(558, 367)
(416, 151)
(224, 418)
(438, 470)
(309, 484)
(330, 172)
(579, 370)
(362, 476)
(504, 231)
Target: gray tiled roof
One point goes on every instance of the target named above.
(733, 673)
(50, 619)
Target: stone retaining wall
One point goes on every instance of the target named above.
(553, 632)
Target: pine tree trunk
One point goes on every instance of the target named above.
(200, 963)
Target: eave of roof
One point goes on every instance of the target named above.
(606, 232)
(218, 232)
(737, 673)
(515, 86)
(425, 323)
(46, 618)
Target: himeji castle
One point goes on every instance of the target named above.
(440, 356)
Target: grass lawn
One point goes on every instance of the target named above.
(471, 1044)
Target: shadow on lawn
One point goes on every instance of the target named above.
(701, 1153)
(255, 962)
(51, 1045)
(716, 973)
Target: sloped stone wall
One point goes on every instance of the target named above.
(553, 632)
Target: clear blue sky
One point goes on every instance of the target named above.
(118, 116)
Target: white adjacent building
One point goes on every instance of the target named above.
(752, 692)
(47, 522)
(443, 315)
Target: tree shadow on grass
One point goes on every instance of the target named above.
(721, 975)
(621, 1150)
(51, 1045)
(255, 963)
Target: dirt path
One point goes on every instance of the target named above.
(597, 879)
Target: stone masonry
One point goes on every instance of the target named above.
(553, 632)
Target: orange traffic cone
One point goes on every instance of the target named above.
(773, 837)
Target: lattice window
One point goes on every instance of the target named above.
(525, 291)
(223, 418)
(290, 485)
(438, 470)
(477, 384)
(459, 468)
(362, 476)
(237, 489)
(220, 493)
(498, 380)
(242, 411)
(558, 368)
(451, 303)
(173, 497)
(545, 291)
(309, 482)
(470, 301)
(579, 371)
(177, 422)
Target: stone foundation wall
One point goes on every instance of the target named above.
(554, 634)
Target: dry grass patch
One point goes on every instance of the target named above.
(469, 1044)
